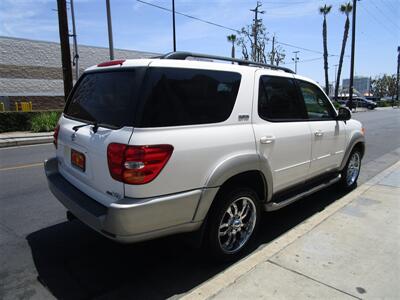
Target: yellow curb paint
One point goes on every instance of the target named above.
(229, 276)
(22, 167)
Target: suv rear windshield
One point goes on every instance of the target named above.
(167, 97)
(106, 97)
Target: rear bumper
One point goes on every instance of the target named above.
(127, 220)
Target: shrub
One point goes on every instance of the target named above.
(44, 122)
(22, 121)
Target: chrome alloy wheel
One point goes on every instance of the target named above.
(353, 169)
(237, 225)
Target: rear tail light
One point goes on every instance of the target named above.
(137, 164)
(55, 135)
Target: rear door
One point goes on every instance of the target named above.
(100, 111)
(281, 129)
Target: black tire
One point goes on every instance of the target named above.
(349, 179)
(240, 227)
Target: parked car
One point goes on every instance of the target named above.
(152, 147)
(362, 102)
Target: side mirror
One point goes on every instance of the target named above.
(344, 114)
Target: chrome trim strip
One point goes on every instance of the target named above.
(293, 166)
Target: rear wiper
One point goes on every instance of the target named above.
(95, 126)
(76, 128)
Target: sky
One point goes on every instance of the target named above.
(138, 26)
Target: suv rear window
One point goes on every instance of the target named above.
(174, 97)
(167, 97)
(106, 97)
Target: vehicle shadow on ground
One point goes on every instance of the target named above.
(74, 262)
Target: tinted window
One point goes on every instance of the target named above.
(107, 97)
(278, 99)
(317, 105)
(174, 97)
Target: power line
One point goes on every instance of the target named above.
(189, 16)
(304, 60)
(389, 19)
(377, 20)
(229, 28)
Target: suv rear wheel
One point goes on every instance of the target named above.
(352, 170)
(232, 223)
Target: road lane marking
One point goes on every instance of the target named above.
(22, 166)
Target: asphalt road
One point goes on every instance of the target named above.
(43, 256)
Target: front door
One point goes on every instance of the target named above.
(328, 134)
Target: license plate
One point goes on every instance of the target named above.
(78, 160)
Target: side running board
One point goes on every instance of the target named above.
(271, 206)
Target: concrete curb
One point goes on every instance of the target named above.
(230, 275)
(20, 141)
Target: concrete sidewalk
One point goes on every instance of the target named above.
(19, 138)
(349, 250)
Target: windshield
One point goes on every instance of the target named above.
(106, 98)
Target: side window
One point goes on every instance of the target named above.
(317, 105)
(278, 99)
(175, 97)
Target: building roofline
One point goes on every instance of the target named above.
(80, 45)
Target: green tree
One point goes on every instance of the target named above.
(384, 86)
(344, 9)
(232, 39)
(324, 10)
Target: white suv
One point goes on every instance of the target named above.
(153, 147)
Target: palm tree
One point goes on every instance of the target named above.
(232, 38)
(344, 9)
(324, 10)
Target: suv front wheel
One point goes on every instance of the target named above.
(352, 170)
(232, 223)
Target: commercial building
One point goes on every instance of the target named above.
(361, 84)
(31, 70)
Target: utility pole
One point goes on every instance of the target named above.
(273, 50)
(64, 44)
(75, 60)
(255, 28)
(295, 59)
(173, 24)
(398, 71)
(353, 46)
(110, 35)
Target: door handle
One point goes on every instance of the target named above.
(267, 139)
(319, 133)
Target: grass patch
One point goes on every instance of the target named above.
(44, 122)
(25, 121)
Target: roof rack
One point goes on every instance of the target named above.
(183, 55)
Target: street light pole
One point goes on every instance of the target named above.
(75, 60)
(110, 35)
(353, 45)
(173, 24)
(295, 59)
